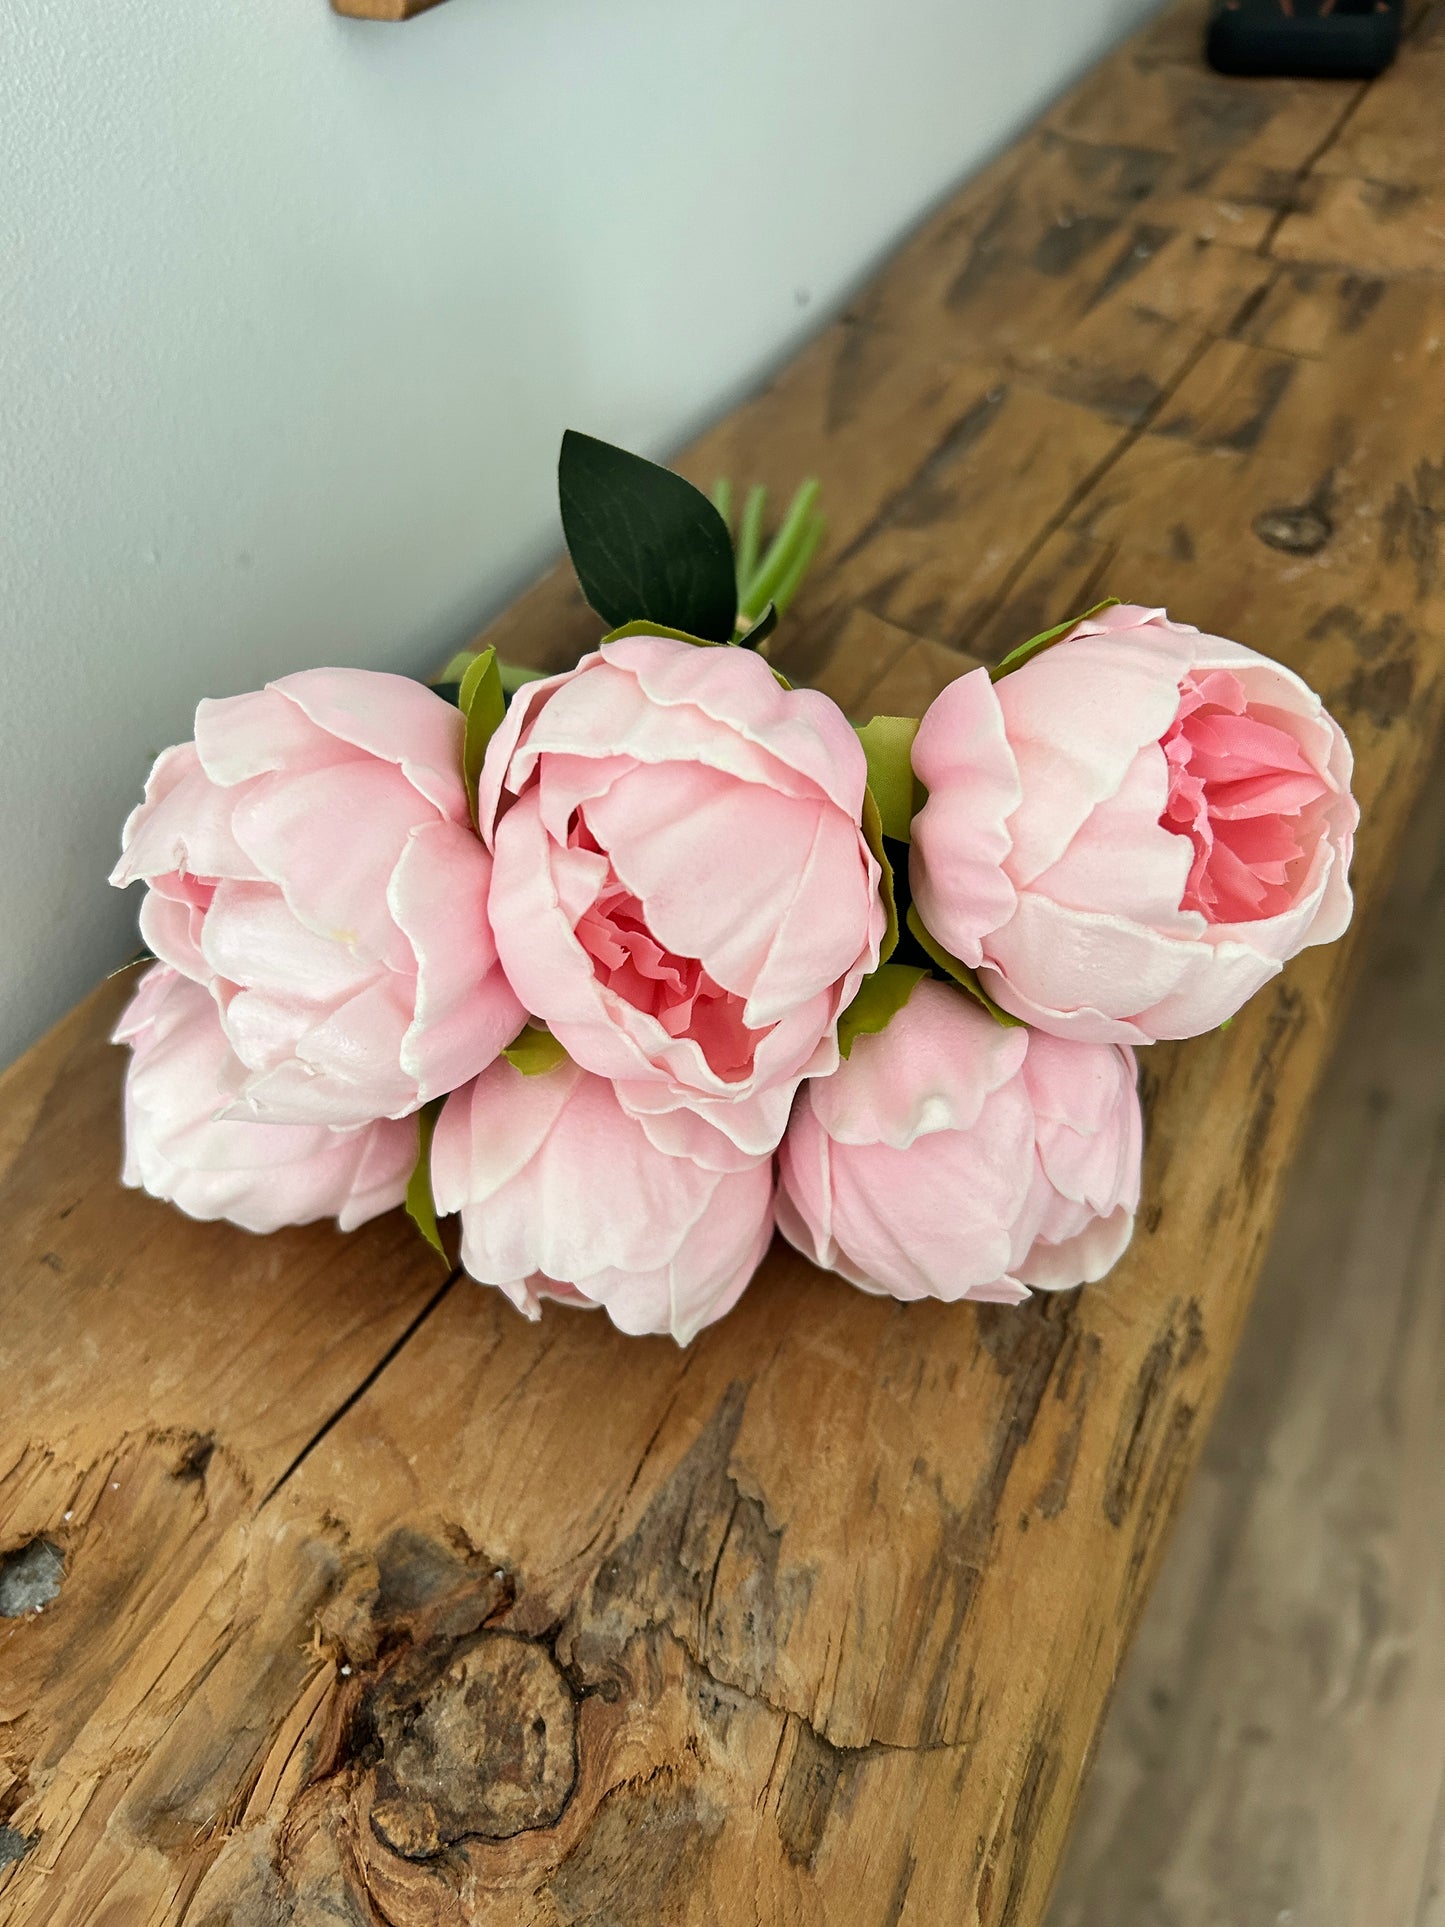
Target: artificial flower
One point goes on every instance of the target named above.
(311, 862)
(1129, 834)
(563, 1195)
(180, 1147)
(953, 1157)
(682, 890)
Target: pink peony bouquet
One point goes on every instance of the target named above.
(626, 967)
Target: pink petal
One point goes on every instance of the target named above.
(772, 895)
(603, 714)
(393, 718)
(465, 1010)
(252, 937)
(932, 1069)
(1123, 861)
(331, 840)
(344, 1069)
(183, 826)
(173, 931)
(960, 836)
(801, 728)
(1058, 959)
(259, 733)
(1077, 716)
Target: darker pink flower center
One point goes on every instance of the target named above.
(676, 990)
(1247, 797)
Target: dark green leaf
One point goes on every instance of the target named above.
(482, 703)
(879, 1000)
(1016, 658)
(873, 837)
(644, 542)
(535, 1052)
(960, 972)
(755, 636)
(420, 1204)
(888, 744)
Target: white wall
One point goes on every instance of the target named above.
(293, 311)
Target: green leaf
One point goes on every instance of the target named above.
(873, 837)
(644, 542)
(722, 499)
(879, 1000)
(1035, 645)
(535, 1052)
(482, 703)
(960, 972)
(646, 628)
(420, 1204)
(888, 744)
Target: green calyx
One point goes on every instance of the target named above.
(949, 966)
(420, 1203)
(483, 704)
(880, 998)
(1026, 651)
(534, 1052)
(888, 745)
(872, 827)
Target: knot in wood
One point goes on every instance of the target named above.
(30, 1577)
(1297, 531)
(485, 1748)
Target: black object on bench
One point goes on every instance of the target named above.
(1334, 39)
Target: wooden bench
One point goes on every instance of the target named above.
(380, 1604)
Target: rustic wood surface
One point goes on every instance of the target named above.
(338, 1592)
(1276, 1750)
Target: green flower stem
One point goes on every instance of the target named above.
(813, 535)
(460, 663)
(722, 499)
(750, 536)
(778, 561)
(515, 674)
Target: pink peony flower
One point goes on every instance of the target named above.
(950, 1157)
(681, 889)
(179, 1147)
(311, 863)
(562, 1195)
(1133, 831)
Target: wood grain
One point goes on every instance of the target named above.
(1277, 1749)
(380, 1604)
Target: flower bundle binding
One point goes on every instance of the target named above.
(626, 967)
